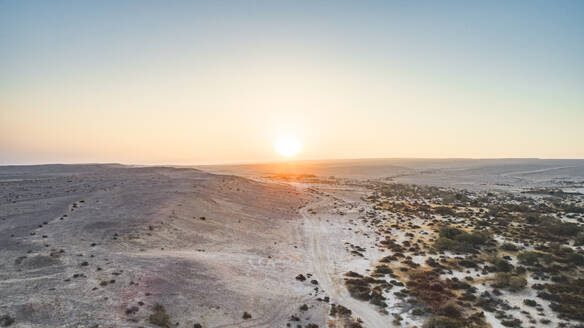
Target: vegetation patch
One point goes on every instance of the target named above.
(509, 281)
(159, 317)
(367, 288)
(458, 240)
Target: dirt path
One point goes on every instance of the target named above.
(324, 269)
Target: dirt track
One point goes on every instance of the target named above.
(324, 235)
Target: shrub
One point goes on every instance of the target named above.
(502, 265)
(159, 317)
(529, 302)
(337, 309)
(567, 298)
(517, 283)
(443, 322)
(417, 312)
(552, 226)
(300, 277)
(359, 289)
(509, 247)
(383, 269)
(353, 274)
(454, 239)
(444, 210)
(450, 310)
(377, 297)
(6, 320)
(443, 243)
(509, 281)
(576, 259)
(513, 322)
(450, 232)
(430, 289)
(528, 258)
(533, 218)
(475, 238)
(579, 239)
(467, 263)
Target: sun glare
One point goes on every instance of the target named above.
(287, 146)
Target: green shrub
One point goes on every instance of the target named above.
(475, 238)
(509, 247)
(509, 281)
(454, 239)
(445, 244)
(529, 258)
(450, 232)
(502, 266)
(553, 226)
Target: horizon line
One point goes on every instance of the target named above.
(255, 162)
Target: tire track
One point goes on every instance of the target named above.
(323, 269)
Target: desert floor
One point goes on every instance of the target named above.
(100, 245)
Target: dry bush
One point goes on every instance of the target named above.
(430, 289)
(159, 316)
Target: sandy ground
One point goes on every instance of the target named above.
(81, 245)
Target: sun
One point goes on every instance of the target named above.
(287, 146)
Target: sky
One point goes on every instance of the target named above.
(173, 82)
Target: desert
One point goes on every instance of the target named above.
(124, 246)
(291, 164)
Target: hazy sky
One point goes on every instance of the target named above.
(218, 81)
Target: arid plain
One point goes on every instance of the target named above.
(360, 243)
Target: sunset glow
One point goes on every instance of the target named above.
(287, 146)
(193, 82)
